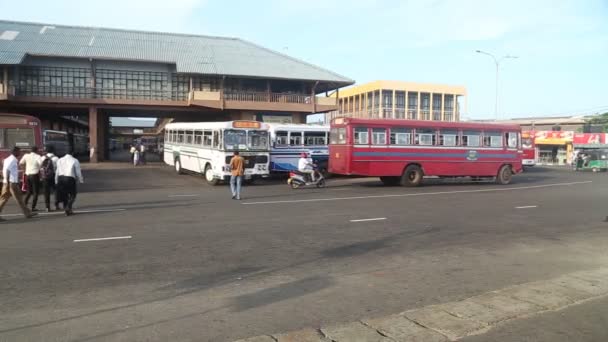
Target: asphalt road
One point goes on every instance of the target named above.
(190, 264)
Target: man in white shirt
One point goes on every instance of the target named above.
(68, 171)
(32, 177)
(10, 186)
(48, 169)
(305, 165)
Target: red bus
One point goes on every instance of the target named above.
(19, 130)
(529, 148)
(404, 151)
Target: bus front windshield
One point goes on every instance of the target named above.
(245, 140)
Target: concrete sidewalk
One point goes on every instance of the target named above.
(488, 313)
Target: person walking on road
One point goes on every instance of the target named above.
(48, 168)
(132, 151)
(68, 172)
(142, 154)
(237, 170)
(136, 156)
(10, 186)
(32, 176)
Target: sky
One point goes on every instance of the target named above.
(561, 45)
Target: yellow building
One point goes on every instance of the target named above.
(400, 100)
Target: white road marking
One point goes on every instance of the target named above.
(106, 238)
(417, 194)
(369, 219)
(191, 195)
(61, 212)
(526, 207)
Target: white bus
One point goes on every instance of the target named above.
(290, 140)
(207, 147)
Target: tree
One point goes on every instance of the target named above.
(599, 120)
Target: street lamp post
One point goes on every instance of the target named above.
(497, 63)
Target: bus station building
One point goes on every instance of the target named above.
(91, 74)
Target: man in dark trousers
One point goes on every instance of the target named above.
(67, 173)
(48, 168)
(31, 161)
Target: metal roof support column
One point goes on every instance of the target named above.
(407, 110)
(394, 104)
(418, 109)
(222, 92)
(442, 106)
(5, 80)
(93, 84)
(313, 97)
(94, 136)
(432, 111)
(268, 89)
(190, 91)
(380, 104)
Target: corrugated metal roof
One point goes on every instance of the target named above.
(190, 53)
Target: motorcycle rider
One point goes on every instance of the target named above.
(305, 165)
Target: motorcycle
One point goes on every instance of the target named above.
(298, 179)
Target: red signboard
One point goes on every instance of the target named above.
(589, 138)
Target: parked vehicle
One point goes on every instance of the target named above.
(288, 141)
(63, 141)
(405, 151)
(207, 147)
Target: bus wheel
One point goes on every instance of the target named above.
(178, 166)
(209, 176)
(389, 180)
(412, 176)
(504, 175)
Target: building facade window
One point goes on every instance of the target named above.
(387, 103)
(399, 104)
(54, 82)
(437, 107)
(425, 106)
(412, 105)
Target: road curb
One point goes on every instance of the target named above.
(453, 321)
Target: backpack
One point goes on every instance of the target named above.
(47, 171)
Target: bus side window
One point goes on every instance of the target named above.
(425, 136)
(401, 136)
(314, 138)
(492, 139)
(471, 138)
(215, 139)
(512, 139)
(207, 138)
(361, 136)
(295, 138)
(281, 138)
(378, 136)
(181, 136)
(448, 138)
(198, 138)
